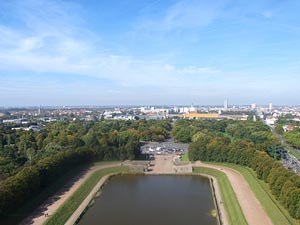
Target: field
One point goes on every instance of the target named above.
(69, 206)
(234, 211)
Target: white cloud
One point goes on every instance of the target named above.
(53, 43)
(267, 14)
(190, 14)
(198, 70)
(186, 14)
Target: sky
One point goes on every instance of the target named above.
(150, 52)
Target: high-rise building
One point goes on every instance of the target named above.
(192, 109)
(226, 104)
(270, 107)
(253, 106)
(40, 110)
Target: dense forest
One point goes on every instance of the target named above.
(30, 160)
(246, 143)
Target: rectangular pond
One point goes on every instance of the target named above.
(153, 200)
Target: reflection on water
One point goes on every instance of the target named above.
(153, 200)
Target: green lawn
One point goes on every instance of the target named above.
(276, 212)
(234, 211)
(72, 203)
(185, 157)
(101, 163)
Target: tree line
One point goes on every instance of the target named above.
(30, 160)
(249, 144)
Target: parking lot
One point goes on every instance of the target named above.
(164, 148)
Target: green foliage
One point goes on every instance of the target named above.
(251, 144)
(293, 137)
(62, 145)
(184, 130)
(288, 120)
(279, 129)
(72, 203)
(17, 189)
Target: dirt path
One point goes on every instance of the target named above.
(54, 202)
(252, 209)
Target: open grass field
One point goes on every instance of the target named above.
(70, 205)
(234, 211)
(276, 212)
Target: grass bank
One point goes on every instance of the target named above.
(63, 213)
(233, 209)
(102, 163)
(273, 208)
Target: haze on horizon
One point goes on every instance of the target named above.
(149, 52)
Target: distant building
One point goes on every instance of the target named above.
(253, 106)
(17, 121)
(40, 110)
(153, 110)
(47, 119)
(32, 127)
(270, 120)
(270, 107)
(288, 128)
(176, 109)
(200, 115)
(226, 104)
(213, 116)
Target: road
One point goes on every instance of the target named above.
(295, 152)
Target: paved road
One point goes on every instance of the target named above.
(296, 152)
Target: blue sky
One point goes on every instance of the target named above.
(98, 52)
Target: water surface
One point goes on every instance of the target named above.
(153, 200)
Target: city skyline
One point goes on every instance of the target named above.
(149, 52)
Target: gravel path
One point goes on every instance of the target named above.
(252, 209)
(53, 203)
